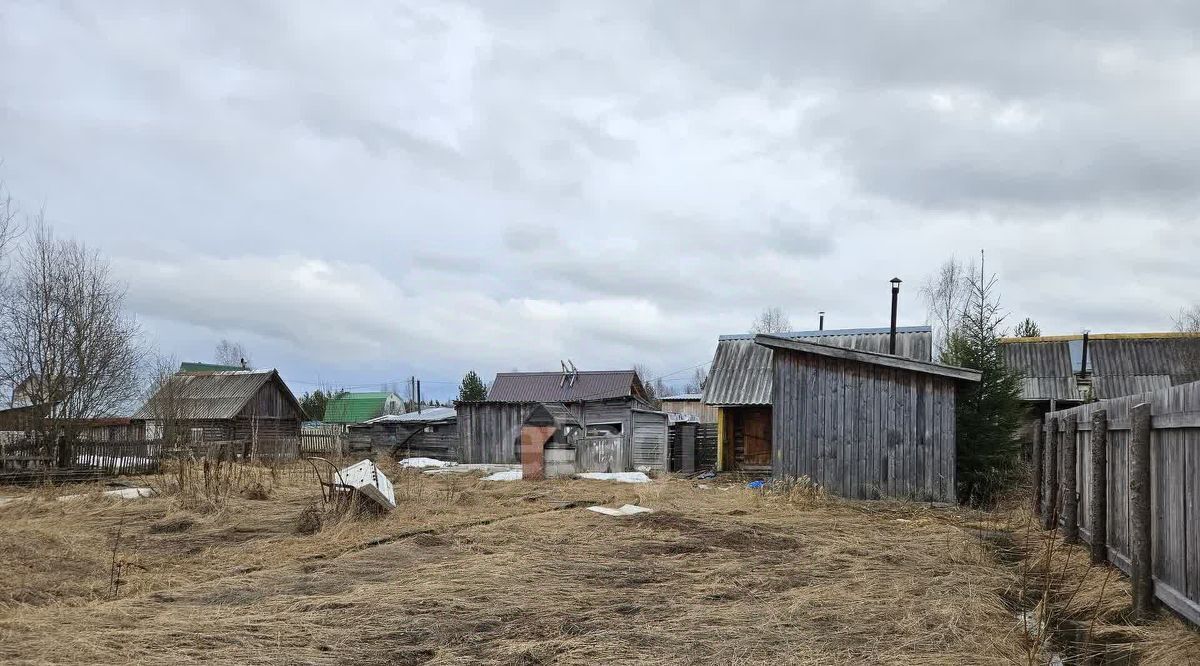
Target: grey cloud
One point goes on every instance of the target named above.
(496, 184)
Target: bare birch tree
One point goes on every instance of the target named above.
(64, 334)
(164, 408)
(771, 320)
(231, 353)
(946, 293)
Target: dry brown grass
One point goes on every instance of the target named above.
(466, 571)
(1083, 609)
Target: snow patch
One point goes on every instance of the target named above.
(507, 475)
(422, 463)
(123, 493)
(626, 510)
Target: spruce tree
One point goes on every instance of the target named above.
(989, 412)
(472, 388)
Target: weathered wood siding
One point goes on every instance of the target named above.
(490, 432)
(1174, 487)
(602, 454)
(862, 430)
(650, 452)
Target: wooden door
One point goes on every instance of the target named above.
(756, 437)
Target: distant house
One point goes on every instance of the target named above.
(432, 432)
(739, 385)
(361, 407)
(610, 405)
(688, 407)
(863, 424)
(1061, 371)
(223, 405)
(1071, 369)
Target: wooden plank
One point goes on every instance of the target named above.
(1190, 442)
(844, 354)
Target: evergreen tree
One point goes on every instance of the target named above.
(1028, 328)
(989, 412)
(472, 388)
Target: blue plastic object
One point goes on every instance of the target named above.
(756, 484)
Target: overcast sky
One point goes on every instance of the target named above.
(364, 191)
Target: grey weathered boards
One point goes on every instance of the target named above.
(863, 425)
(1174, 487)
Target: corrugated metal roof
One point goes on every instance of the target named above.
(1121, 364)
(741, 370)
(213, 395)
(550, 387)
(356, 407)
(424, 416)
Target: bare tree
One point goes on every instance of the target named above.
(655, 386)
(946, 293)
(696, 383)
(10, 226)
(1188, 320)
(164, 407)
(231, 353)
(771, 320)
(64, 335)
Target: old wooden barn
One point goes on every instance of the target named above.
(863, 424)
(739, 386)
(235, 405)
(611, 407)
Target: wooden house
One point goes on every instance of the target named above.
(227, 405)
(863, 424)
(739, 385)
(610, 406)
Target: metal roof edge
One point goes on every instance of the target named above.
(831, 332)
(1102, 336)
(927, 367)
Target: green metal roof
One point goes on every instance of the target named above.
(194, 366)
(355, 407)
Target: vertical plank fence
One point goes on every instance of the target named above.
(1124, 475)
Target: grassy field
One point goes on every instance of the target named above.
(466, 571)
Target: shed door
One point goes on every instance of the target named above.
(756, 437)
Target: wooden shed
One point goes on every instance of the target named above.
(739, 386)
(431, 432)
(863, 424)
(610, 406)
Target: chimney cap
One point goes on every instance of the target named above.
(895, 281)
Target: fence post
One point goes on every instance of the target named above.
(1139, 511)
(1050, 474)
(1098, 493)
(1037, 461)
(1070, 482)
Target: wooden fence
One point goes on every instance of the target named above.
(119, 457)
(318, 443)
(1123, 475)
(693, 446)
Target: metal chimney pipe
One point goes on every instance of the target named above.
(418, 396)
(895, 298)
(1083, 360)
(821, 324)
